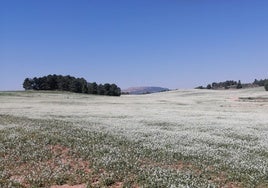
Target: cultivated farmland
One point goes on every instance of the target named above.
(183, 138)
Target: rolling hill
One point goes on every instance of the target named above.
(144, 90)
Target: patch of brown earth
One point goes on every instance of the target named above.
(232, 185)
(62, 153)
(117, 185)
(61, 162)
(69, 186)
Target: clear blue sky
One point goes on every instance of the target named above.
(169, 43)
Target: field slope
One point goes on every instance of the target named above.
(184, 138)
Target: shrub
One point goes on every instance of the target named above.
(266, 85)
(209, 86)
(239, 85)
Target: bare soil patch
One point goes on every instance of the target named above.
(60, 162)
(69, 186)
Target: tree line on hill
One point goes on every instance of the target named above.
(223, 85)
(231, 84)
(71, 84)
(262, 82)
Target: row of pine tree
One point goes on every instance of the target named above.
(233, 84)
(70, 83)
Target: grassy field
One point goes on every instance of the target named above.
(183, 138)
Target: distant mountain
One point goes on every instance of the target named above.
(143, 90)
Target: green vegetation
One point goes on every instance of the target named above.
(41, 153)
(260, 82)
(70, 83)
(239, 85)
(266, 85)
(234, 85)
(184, 138)
(222, 85)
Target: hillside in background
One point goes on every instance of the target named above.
(143, 90)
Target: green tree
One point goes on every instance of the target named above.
(266, 85)
(28, 84)
(43, 83)
(70, 83)
(115, 91)
(199, 87)
(75, 86)
(92, 88)
(107, 89)
(63, 83)
(52, 82)
(36, 83)
(101, 89)
(239, 85)
(83, 82)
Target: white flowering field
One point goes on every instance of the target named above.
(182, 138)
